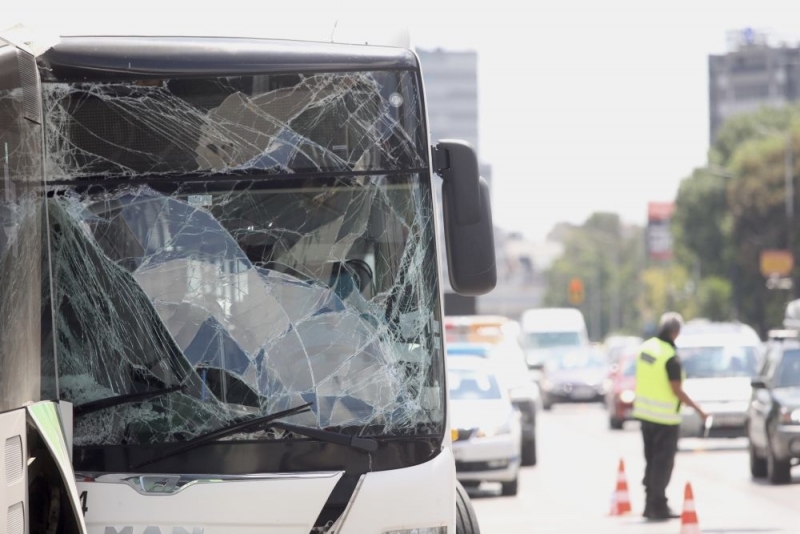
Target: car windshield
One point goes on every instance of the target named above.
(467, 384)
(578, 360)
(718, 362)
(548, 340)
(787, 374)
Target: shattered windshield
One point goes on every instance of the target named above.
(252, 291)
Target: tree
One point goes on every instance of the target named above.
(714, 299)
(730, 211)
(605, 255)
(757, 200)
(741, 129)
(701, 224)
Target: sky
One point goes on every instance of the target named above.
(585, 105)
(592, 105)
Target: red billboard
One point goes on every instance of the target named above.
(659, 234)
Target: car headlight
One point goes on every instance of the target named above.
(424, 530)
(789, 416)
(627, 396)
(546, 384)
(505, 428)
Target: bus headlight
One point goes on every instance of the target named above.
(427, 530)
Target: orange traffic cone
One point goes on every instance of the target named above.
(620, 503)
(689, 524)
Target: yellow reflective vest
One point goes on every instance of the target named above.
(655, 401)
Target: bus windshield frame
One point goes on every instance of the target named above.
(262, 245)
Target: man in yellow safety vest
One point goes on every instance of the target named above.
(659, 394)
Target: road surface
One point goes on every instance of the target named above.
(570, 489)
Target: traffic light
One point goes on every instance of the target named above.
(576, 292)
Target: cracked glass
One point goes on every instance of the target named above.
(260, 242)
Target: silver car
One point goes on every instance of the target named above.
(718, 369)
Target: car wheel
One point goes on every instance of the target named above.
(510, 488)
(615, 424)
(546, 404)
(758, 465)
(466, 520)
(779, 471)
(529, 452)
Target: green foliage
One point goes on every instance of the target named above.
(729, 212)
(666, 288)
(714, 299)
(725, 215)
(605, 256)
(757, 204)
(701, 225)
(738, 130)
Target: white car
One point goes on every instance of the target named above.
(508, 362)
(486, 426)
(718, 367)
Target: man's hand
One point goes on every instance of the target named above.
(677, 388)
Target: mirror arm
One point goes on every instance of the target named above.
(441, 159)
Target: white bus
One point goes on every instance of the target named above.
(220, 299)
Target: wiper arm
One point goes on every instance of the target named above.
(102, 404)
(364, 444)
(233, 428)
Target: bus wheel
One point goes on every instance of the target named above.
(466, 520)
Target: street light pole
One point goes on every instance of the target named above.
(789, 192)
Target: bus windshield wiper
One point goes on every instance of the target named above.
(108, 402)
(233, 428)
(364, 444)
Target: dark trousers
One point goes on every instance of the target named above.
(660, 447)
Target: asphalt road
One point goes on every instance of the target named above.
(570, 489)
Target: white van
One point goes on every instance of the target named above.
(547, 332)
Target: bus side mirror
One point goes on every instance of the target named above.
(467, 211)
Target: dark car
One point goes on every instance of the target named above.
(580, 375)
(773, 417)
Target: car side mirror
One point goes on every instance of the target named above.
(467, 211)
(758, 383)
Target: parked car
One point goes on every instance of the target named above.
(509, 365)
(773, 417)
(486, 426)
(621, 389)
(576, 376)
(718, 367)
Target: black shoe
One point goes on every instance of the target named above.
(661, 515)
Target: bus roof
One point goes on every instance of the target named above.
(355, 22)
(80, 58)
